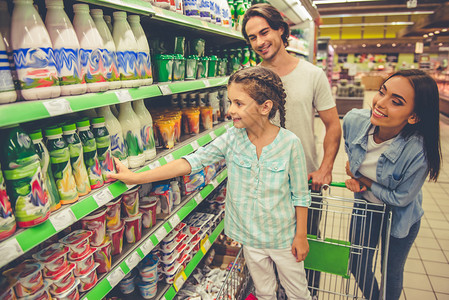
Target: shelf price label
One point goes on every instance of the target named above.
(160, 233)
(115, 276)
(103, 197)
(123, 96)
(198, 198)
(10, 249)
(174, 220)
(130, 186)
(133, 260)
(206, 83)
(169, 158)
(154, 165)
(195, 145)
(165, 90)
(179, 281)
(62, 219)
(147, 246)
(206, 245)
(57, 107)
(205, 24)
(213, 135)
(214, 183)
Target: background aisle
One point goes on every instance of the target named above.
(427, 269)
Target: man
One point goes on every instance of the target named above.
(307, 90)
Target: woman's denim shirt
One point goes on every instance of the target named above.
(400, 174)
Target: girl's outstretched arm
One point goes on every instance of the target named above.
(300, 245)
(174, 168)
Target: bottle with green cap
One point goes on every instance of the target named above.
(103, 142)
(23, 177)
(76, 158)
(60, 165)
(90, 154)
(131, 131)
(239, 13)
(253, 58)
(50, 186)
(246, 57)
(7, 219)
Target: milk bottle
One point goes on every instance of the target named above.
(90, 154)
(33, 53)
(79, 170)
(108, 21)
(7, 91)
(65, 47)
(60, 165)
(91, 47)
(114, 110)
(50, 186)
(131, 132)
(103, 142)
(143, 57)
(23, 177)
(109, 51)
(118, 145)
(146, 129)
(127, 50)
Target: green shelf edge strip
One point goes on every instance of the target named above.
(136, 6)
(31, 237)
(102, 288)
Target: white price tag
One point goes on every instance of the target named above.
(158, 10)
(61, 220)
(214, 183)
(160, 233)
(206, 83)
(195, 145)
(169, 158)
(123, 96)
(213, 135)
(154, 165)
(174, 220)
(147, 246)
(129, 186)
(207, 244)
(133, 260)
(179, 282)
(115, 276)
(198, 198)
(103, 197)
(57, 107)
(9, 249)
(205, 24)
(165, 90)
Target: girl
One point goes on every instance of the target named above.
(391, 150)
(267, 191)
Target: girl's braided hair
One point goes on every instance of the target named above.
(263, 84)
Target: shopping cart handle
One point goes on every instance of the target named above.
(334, 183)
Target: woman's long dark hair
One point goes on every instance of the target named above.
(428, 113)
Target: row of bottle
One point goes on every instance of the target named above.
(60, 59)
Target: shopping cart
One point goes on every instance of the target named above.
(346, 247)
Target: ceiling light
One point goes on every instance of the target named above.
(409, 44)
(444, 29)
(366, 24)
(394, 44)
(399, 13)
(437, 32)
(430, 33)
(318, 2)
(363, 45)
(425, 36)
(378, 45)
(440, 44)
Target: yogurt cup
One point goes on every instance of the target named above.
(113, 214)
(63, 281)
(130, 202)
(78, 243)
(6, 288)
(116, 236)
(85, 264)
(103, 257)
(148, 214)
(70, 294)
(168, 247)
(30, 279)
(147, 289)
(42, 294)
(148, 268)
(127, 284)
(133, 228)
(88, 280)
(53, 258)
(96, 222)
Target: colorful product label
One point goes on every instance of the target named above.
(191, 8)
(110, 65)
(92, 65)
(35, 67)
(205, 8)
(7, 220)
(6, 82)
(144, 65)
(118, 147)
(49, 187)
(67, 65)
(78, 168)
(134, 143)
(127, 64)
(146, 132)
(105, 156)
(31, 204)
(92, 163)
(62, 172)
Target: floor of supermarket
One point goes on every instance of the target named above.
(427, 268)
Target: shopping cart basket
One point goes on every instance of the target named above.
(346, 243)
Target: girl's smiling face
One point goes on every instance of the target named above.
(393, 105)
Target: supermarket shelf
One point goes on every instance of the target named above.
(133, 6)
(304, 53)
(138, 251)
(26, 239)
(26, 111)
(178, 19)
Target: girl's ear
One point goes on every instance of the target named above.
(413, 119)
(266, 107)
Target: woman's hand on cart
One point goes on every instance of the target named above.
(355, 186)
(300, 248)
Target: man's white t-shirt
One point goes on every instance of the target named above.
(307, 89)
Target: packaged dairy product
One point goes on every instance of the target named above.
(131, 132)
(33, 53)
(103, 142)
(65, 48)
(126, 45)
(108, 21)
(91, 49)
(143, 56)
(146, 130)
(109, 51)
(76, 158)
(7, 90)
